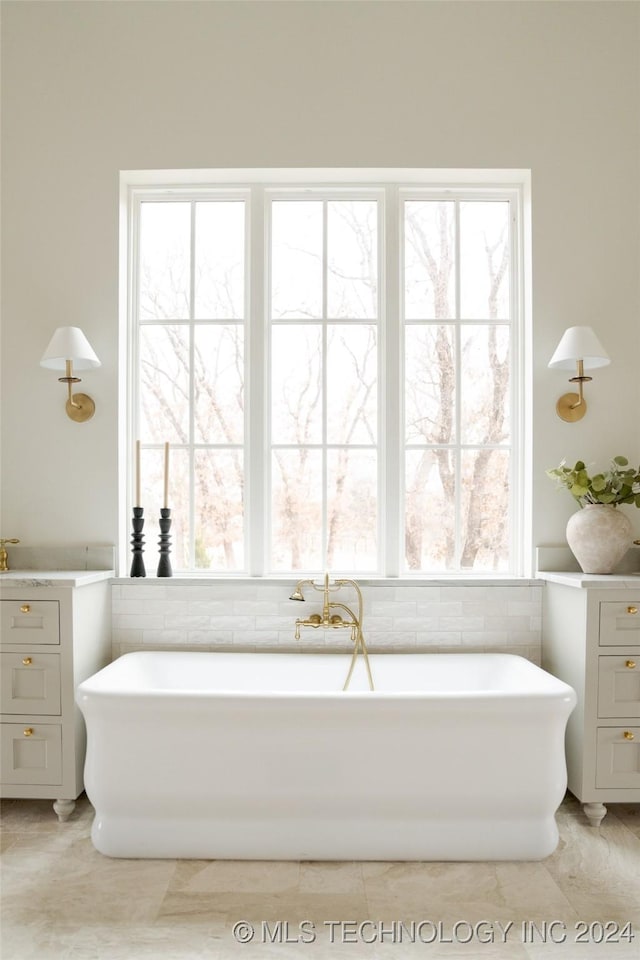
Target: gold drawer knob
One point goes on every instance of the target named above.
(27, 661)
(632, 609)
(25, 608)
(628, 735)
(631, 664)
(28, 731)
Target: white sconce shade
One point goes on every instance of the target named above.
(69, 343)
(580, 348)
(69, 346)
(579, 343)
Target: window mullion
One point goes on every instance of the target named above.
(391, 367)
(325, 383)
(191, 452)
(257, 406)
(520, 518)
(133, 376)
(457, 452)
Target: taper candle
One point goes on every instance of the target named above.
(166, 475)
(137, 503)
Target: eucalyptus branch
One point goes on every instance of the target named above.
(619, 484)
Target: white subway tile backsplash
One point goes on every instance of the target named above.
(163, 637)
(256, 608)
(393, 608)
(210, 637)
(487, 639)
(411, 624)
(485, 608)
(390, 640)
(142, 621)
(416, 593)
(237, 624)
(139, 591)
(432, 638)
(181, 621)
(275, 624)
(505, 623)
(461, 623)
(207, 608)
(516, 594)
(379, 624)
(442, 609)
(258, 615)
(465, 593)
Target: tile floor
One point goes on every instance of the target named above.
(61, 899)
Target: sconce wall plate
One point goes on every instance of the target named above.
(80, 408)
(570, 408)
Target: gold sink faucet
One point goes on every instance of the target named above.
(4, 559)
(336, 621)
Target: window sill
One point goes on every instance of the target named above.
(436, 580)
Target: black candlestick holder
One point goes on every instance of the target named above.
(137, 562)
(164, 564)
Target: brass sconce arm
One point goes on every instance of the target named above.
(69, 379)
(580, 379)
(572, 406)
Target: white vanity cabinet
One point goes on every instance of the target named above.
(591, 640)
(55, 631)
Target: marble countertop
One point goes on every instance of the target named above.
(80, 578)
(611, 581)
(53, 578)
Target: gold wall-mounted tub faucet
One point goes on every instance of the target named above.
(335, 621)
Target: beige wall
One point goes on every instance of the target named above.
(90, 89)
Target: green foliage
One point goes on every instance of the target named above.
(619, 484)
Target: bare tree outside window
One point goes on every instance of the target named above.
(192, 376)
(324, 384)
(324, 315)
(457, 385)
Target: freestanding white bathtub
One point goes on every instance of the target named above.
(262, 756)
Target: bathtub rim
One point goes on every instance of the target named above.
(555, 690)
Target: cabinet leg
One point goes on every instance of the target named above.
(64, 809)
(595, 813)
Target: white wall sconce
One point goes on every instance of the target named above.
(68, 347)
(581, 350)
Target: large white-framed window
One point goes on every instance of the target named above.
(336, 359)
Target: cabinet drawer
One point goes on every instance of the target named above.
(620, 623)
(31, 753)
(29, 621)
(30, 683)
(618, 757)
(619, 686)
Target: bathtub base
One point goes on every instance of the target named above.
(264, 757)
(429, 840)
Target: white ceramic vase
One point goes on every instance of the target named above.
(599, 536)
